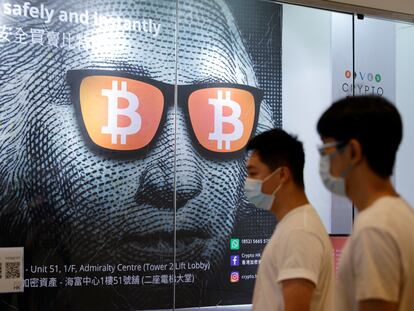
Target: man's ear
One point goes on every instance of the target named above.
(285, 174)
(355, 150)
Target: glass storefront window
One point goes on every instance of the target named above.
(123, 127)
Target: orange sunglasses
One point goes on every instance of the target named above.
(120, 114)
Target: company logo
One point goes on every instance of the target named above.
(235, 260)
(234, 244)
(222, 118)
(116, 111)
(234, 277)
(220, 103)
(366, 83)
(364, 76)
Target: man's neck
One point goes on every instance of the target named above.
(366, 190)
(288, 201)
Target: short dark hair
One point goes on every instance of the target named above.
(277, 148)
(373, 121)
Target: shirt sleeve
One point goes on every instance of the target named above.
(300, 257)
(376, 265)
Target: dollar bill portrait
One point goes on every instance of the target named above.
(118, 129)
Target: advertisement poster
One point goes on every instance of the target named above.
(122, 163)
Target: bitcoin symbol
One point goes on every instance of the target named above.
(219, 119)
(114, 111)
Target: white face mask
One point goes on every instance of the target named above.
(253, 191)
(334, 184)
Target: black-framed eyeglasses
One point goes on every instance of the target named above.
(339, 145)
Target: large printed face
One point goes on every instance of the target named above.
(98, 208)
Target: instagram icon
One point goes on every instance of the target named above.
(234, 277)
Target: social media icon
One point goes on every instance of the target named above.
(234, 244)
(234, 277)
(235, 260)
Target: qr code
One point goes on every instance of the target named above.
(12, 270)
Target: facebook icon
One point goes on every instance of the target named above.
(235, 260)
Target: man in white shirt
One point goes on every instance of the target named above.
(361, 136)
(296, 271)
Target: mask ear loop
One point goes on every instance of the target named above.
(277, 189)
(346, 171)
(270, 176)
(350, 166)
